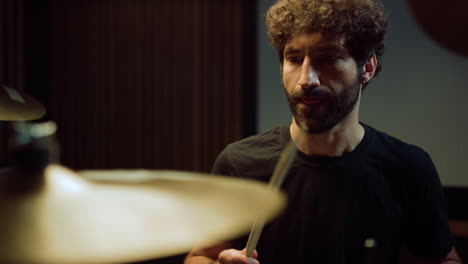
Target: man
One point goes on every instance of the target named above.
(349, 184)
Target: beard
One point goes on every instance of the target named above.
(333, 108)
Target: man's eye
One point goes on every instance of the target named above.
(295, 60)
(330, 57)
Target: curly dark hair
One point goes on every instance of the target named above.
(362, 22)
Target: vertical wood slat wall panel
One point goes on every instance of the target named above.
(3, 56)
(148, 84)
(11, 58)
(19, 43)
(11, 43)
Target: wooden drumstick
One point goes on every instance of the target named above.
(279, 174)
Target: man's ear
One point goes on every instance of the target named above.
(369, 68)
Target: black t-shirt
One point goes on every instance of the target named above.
(384, 189)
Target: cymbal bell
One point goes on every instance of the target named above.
(120, 216)
(16, 105)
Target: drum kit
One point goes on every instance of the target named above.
(51, 214)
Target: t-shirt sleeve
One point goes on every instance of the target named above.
(222, 165)
(426, 230)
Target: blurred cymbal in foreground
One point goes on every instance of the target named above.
(16, 105)
(444, 21)
(120, 216)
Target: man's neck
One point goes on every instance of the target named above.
(343, 138)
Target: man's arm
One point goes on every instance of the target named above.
(451, 258)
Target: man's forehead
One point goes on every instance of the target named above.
(315, 41)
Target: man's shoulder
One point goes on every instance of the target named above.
(398, 151)
(387, 142)
(268, 141)
(254, 156)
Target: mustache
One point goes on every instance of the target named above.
(321, 92)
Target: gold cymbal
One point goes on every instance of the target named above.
(16, 105)
(120, 216)
(444, 21)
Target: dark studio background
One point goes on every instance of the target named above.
(157, 84)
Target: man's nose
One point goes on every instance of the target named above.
(309, 76)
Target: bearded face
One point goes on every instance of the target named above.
(321, 80)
